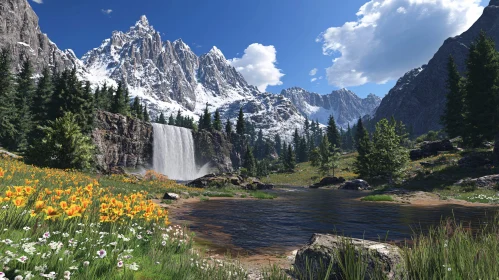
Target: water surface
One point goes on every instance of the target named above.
(276, 226)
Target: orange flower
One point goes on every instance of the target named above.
(2, 173)
(29, 190)
(51, 213)
(9, 193)
(19, 201)
(39, 204)
(104, 219)
(64, 205)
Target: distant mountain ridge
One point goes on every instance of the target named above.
(419, 97)
(343, 104)
(169, 76)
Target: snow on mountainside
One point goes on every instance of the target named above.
(169, 77)
(343, 104)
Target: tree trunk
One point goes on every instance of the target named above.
(496, 149)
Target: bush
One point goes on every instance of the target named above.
(377, 197)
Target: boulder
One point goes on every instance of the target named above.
(356, 185)
(489, 182)
(212, 180)
(328, 181)
(325, 249)
(171, 196)
(428, 149)
(474, 160)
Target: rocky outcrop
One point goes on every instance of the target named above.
(223, 180)
(21, 35)
(324, 250)
(328, 181)
(490, 182)
(356, 185)
(121, 141)
(215, 148)
(419, 97)
(428, 149)
(343, 104)
(475, 160)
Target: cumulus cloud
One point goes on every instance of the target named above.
(258, 66)
(38, 1)
(106, 11)
(313, 72)
(391, 37)
(313, 80)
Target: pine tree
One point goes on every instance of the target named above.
(482, 92)
(7, 104)
(362, 164)
(136, 110)
(249, 162)
(88, 109)
(389, 157)
(25, 91)
(178, 118)
(41, 99)
(453, 116)
(278, 144)
(240, 126)
(162, 119)
(303, 150)
(171, 120)
(65, 146)
(207, 119)
(290, 163)
(283, 156)
(326, 157)
(118, 104)
(260, 146)
(217, 121)
(146, 114)
(228, 127)
(332, 132)
(126, 101)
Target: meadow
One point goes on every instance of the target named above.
(63, 224)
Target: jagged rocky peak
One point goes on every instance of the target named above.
(21, 35)
(494, 3)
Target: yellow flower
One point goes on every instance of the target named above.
(51, 213)
(19, 201)
(39, 204)
(64, 205)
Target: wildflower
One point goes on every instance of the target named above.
(449, 269)
(101, 253)
(86, 263)
(50, 275)
(19, 277)
(120, 264)
(2, 275)
(26, 228)
(23, 259)
(46, 235)
(73, 267)
(7, 241)
(67, 274)
(133, 266)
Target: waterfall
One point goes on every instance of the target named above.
(173, 153)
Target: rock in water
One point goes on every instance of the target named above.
(356, 185)
(171, 196)
(325, 249)
(328, 181)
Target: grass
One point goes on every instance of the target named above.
(449, 251)
(68, 224)
(306, 175)
(262, 195)
(377, 197)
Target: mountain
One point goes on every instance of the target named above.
(418, 99)
(169, 76)
(21, 34)
(343, 104)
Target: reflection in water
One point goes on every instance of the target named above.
(264, 226)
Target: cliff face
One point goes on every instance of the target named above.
(213, 147)
(122, 141)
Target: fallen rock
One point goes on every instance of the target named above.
(222, 180)
(489, 182)
(171, 196)
(428, 149)
(356, 185)
(325, 249)
(328, 181)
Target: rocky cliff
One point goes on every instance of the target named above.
(21, 35)
(418, 99)
(122, 141)
(213, 148)
(343, 104)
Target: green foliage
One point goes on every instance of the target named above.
(377, 197)
(431, 136)
(205, 120)
(325, 157)
(289, 159)
(240, 126)
(161, 118)
(453, 116)
(363, 163)
(145, 114)
(262, 195)
(333, 133)
(7, 105)
(228, 127)
(136, 109)
(65, 146)
(249, 162)
(120, 101)
(217, 121)
(24, 95)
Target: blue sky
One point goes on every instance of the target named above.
(291, 26)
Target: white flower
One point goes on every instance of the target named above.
(73, 268)
(86, 263)
(133, 266)
(46, 235)
(2, 275)
(449, 269)
(139, 236)
(163, 243)
(19, 277)
(41, 268)
(65, 235)
(67, 273)
(120, 264)
(101, 253)
(23, 259)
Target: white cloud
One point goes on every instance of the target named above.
(313, 80)
(106, 11)
(313, 72)
(391, 37)
(38, 1)
(258, 66)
